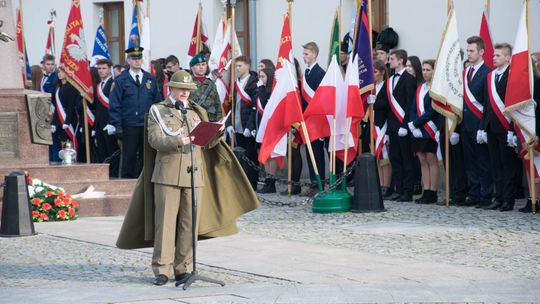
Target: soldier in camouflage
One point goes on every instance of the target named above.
(205, 87)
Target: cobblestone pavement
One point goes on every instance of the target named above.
(502, 241)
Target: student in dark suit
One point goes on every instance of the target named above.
(475, 149)
(313, 76)
(48, 84)
(400, 89)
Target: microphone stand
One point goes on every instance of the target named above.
(194, 275)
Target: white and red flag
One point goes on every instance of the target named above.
(50, 46)
(518, 101)
(199, 38)
(283, 108)
(73, 59)
(485, 34)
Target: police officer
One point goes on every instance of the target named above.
(206, 88)
(132, 94)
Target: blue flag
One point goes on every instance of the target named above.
(134, 33)
(101, 50)
(362, 49)
(27, 65)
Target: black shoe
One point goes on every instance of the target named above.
(430, 198)
(394, 197)
(161, 280)
(507, 206)
(384, 190)
(405, 198)
(269, 186)
(528, 206)
(468, 203)
(494, 205)
(181, 278)
(421, 199)
(294, 190)
(417, 188)
(482, 204)
(388, 193)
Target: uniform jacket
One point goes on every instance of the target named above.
(247, 112)
(172, 161)
(404, 93)
(313, 79)
(212, 104)
(262, 96)
(470, 122)
(429, 115)
(380, 108)
(128, 103)
(226, 196)
(102, 112)
(490, 122)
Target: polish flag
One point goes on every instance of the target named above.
(485, 34)
(199, 38)
(283, 108)
(518, 100)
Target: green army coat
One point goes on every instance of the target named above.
(226, 196)
(212, 104)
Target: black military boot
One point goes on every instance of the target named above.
(269, 186)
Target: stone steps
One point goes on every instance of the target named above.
(109, 205)
(57, 173)
(111, 187)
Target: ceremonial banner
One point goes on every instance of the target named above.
(199, 38)
(101, 50)
(447, 84)
(144, 30)
(485, 34)
(283, 108)
(73, 60)
(50, 46)
(518, 100)
(21, 47)
(362, 50)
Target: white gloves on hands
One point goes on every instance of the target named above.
(402, 132)
(53, 128)
(253, 133)
(438, 136)
(259, 83)
(454, 138)
(386, 139)
(110, 129)
(65, 127)
(371, 99)
(481, 137)
(230, 130)
(511, 139)
(416, 132)
(93, 133)
(247, 133)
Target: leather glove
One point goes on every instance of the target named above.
(53, 129)
(253, 133)
(511, 139)
(402, 132)
(417, 133)
(65, 127)
(371, 99)
(110, 129)
(481, 137)
(386, 139)
(438, 136)
(247, 133)
(454, 138)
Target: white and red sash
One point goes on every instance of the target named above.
(103, 99)
(259, 107)
(394, 104)
(380, 147)
(63, 116)
(245, 97)
(307, 91)
(476, 107)
(421, 92)
(497, 104)
(90, 116)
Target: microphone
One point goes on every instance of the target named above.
(180, 106)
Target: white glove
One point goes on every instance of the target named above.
(110, 129)
(53, 129)
(230, 130)
(411, 126)
(259, 83)
(93, 133)
(253, 133)
(247, 133)
(402, 132)
(454, 138)
(294, 130)
(386, 139)
(65, 127)
(371, 99)
(481, 137)
(81, 130)
(417, 133)
(438, 136)
(511, 139)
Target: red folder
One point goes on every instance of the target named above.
(204, 132)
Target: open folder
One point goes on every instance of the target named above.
(206, 131)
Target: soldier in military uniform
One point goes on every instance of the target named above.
(206, 88)
(168, 134)
(132, 94)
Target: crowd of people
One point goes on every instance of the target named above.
(486, 167)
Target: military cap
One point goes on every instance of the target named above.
(182, 80)
(199, 58)
(382, 47)
(135, 52)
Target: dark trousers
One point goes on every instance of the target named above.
(249, 144)
(318, 153)
(106, 146)
(402, 160)
(457, 175)
(55, 148)
(132, 151)
(477, 167)
(504, 167)
(296, 164)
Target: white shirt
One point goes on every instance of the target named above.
(132, 73)
(104, 81)
(501, 70)
(396, 77)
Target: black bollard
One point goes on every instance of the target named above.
(16, 208)
(367, 189)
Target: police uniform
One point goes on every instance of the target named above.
(130, 99)
(212, 103)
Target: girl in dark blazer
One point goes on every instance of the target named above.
(264, 89)
(422, 126)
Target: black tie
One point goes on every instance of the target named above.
(137, 81)
(307, 72)
(497, 78)
(396, 75)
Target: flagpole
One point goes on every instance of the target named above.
(233, 80)
(289, 134)
(86, 137)
(25, 76)
(487, 8)
(198, 37)
(447, 164)
(531, 151)
(346, 153)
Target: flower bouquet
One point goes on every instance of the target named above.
(50, 203)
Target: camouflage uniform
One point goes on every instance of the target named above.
(212, 104)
